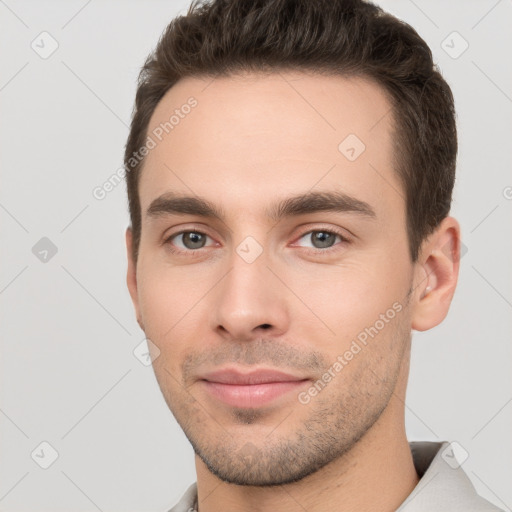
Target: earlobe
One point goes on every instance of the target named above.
(436, 280)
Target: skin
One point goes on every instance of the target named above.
(251, 141)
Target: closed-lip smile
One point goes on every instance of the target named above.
(250, 389)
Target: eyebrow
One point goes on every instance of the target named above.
(171, 203)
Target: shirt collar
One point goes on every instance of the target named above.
(443, 483)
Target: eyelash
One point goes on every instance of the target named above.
(314, 251)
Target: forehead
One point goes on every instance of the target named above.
(253, 135)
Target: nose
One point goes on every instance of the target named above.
(250, 301)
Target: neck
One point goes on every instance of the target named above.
(378, 473)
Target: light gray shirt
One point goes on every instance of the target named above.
(443, 485)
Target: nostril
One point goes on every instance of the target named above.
(265, 326)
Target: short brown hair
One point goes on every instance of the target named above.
(340, 37)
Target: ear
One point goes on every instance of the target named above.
(131, 275)
(436, 274)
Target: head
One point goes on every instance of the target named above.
(289, 169)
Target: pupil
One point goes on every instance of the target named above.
(323, 238)
(195, 240)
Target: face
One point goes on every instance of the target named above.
(290, 256)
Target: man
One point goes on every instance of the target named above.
(290, 167)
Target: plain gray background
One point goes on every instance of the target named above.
(68, 373)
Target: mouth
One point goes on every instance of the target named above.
(250, 390)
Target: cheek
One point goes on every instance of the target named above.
(164, 288)
(154, 296)
(173, 303)
(163, 308)
(350, 296)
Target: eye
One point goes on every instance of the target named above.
(189, 240)
(322, 239)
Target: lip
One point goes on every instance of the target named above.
(261, 376)
(252, 389)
